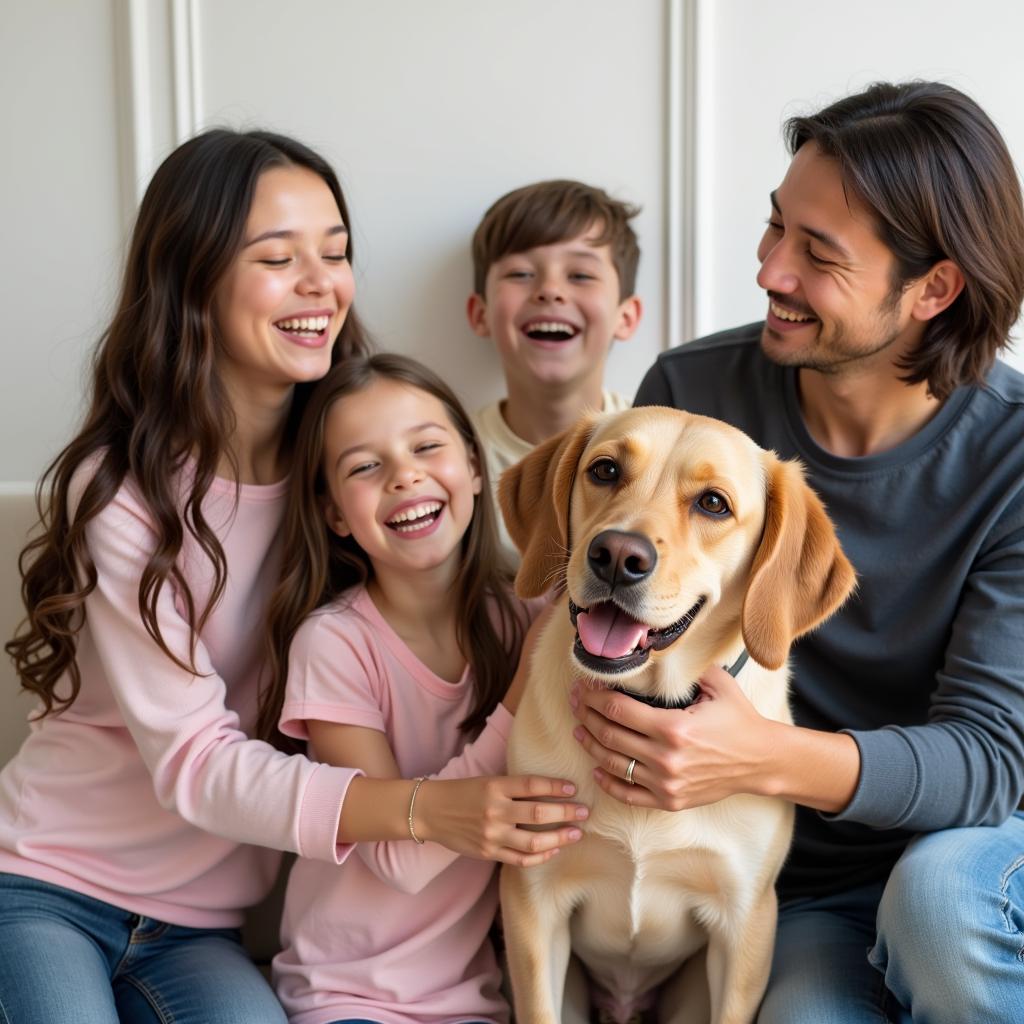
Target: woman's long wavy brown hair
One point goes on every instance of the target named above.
(319, 566)
(155, 400)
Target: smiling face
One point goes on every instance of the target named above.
(829, 276)
(666, 513)
(680, 541)
(554, 311)
(401, 481)
(283, 301)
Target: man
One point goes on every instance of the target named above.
(893, 263)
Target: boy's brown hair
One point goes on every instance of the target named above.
(553, 211)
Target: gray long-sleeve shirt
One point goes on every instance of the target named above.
(924, 666)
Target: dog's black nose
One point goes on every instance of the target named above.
(620, 558)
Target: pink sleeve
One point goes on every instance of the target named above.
(333, 675)
(202, 765)
(410, 867)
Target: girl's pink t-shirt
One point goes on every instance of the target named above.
(147, 792)
(398, 933)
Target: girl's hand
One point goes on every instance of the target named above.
(717, 747)
(516, 819)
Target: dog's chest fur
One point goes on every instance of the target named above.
(642, 884)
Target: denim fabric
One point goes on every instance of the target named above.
(941, 942)
(66, 958)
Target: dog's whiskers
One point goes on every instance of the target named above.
(557, 575)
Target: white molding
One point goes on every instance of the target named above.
(681, 147)
(705, 198)
(135, 101)
(141, 92)
(162, 92)
(185, 68)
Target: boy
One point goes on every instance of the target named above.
(554, 267)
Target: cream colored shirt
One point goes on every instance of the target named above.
(503, 448)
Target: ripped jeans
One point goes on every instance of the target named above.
(941, 942)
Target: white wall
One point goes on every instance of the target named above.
(430, 109)
(60, 217)
(762, 62)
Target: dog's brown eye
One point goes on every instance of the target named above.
(604, 471)
(713, 503)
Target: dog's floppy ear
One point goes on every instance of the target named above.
(800, 575)
(534, 499)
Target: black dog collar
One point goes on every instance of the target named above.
(677, 705)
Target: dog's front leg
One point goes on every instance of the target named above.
(739, 960)
(537, 945)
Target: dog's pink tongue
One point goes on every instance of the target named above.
(608, 631)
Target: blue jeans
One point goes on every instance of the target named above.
(69, 959)
(941, 942)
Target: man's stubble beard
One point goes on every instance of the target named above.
(840, 355)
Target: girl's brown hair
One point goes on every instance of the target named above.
(155, 401)
(319, 566)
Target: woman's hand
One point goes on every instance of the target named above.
(717, 747)
(518, 819)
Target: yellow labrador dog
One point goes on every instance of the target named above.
(680, 544)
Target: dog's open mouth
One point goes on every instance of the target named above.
(610, 640)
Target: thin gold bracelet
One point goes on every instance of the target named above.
(412, 805)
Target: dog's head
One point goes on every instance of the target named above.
(670, 530)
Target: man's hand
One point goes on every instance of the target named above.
(717, 747)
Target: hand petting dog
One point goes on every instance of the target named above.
(717, 747)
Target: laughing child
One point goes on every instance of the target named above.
(554, 267)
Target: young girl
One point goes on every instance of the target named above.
(402, 671)
(125, 817)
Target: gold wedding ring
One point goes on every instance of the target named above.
(629, 771)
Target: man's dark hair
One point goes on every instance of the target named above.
(936, 173)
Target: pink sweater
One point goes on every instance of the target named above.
(147, 791)
(399, 933)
